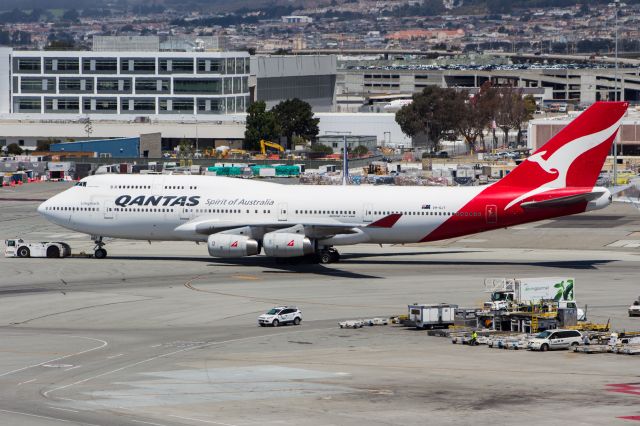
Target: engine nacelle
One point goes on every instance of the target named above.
(280, 244)
(229, 245)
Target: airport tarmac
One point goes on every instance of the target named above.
(163, 334)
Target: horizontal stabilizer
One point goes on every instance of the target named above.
(563, 201)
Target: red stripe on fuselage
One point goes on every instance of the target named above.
(386, 222)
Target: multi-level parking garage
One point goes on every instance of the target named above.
(548, 83)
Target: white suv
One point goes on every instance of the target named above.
(555, 339)
(281, 315)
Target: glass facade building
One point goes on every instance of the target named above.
(135, 83)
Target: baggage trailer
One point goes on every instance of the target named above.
(21, 248)
(432, 316)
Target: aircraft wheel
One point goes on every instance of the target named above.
(325, 257)
(100, 253)
(53, 251)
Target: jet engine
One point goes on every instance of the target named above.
(229, 245)
(282, 244)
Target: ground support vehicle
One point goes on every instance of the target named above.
(432, 316)
(634, 309)
(352, 324)
(377, 321)
(281, 315)
(509, 341)
(21, 248)
(555, 339)
(506, 292)
(592, 349)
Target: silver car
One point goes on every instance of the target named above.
(281, 315)
(555, 339)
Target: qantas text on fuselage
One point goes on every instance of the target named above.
(238, 217)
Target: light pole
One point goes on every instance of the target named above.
(616, 5)
(345, 155)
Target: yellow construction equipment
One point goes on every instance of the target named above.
(235, 153)
(264, 144)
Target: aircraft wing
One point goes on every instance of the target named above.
(563, 201)
(314, 227)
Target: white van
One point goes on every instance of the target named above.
(555, 339)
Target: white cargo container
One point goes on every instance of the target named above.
(267, 172)
(430, 316)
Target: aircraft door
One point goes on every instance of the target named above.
(491, 213)
(109, 210)
(368, 213)
(186, 213)
(282, 212)
(156, 186)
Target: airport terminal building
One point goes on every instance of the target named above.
(131, 83)
(135, 87)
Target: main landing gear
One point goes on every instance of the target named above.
(329, 255)
(98, 251)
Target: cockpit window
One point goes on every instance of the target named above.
(81, 184)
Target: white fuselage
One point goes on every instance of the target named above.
(151, 207)
(174, 207)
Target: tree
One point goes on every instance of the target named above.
(88, 126)
(321, 149)
(44, 145)
(14, 149)
(513, 110)
(360, 150)
(70, 15)
(261, 124)
(185, 149)
(295, 117)
(430, 113)
(470, 117)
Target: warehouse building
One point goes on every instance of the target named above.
(145, 146)
(628, 141)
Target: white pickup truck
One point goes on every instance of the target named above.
(21, 248)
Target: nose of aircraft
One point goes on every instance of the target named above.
(42, 208)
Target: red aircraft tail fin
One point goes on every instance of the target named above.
(575, 156)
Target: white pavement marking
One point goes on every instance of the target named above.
(28, 381)
(203, 421)
(625, 243)
(62, 357)
(63, 409)
(146, 423)
(74, 367)
(114, 356)
(144, 361)
(46, 417)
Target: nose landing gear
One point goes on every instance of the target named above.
(98, 251)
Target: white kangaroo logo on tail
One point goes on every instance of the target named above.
(560, 161)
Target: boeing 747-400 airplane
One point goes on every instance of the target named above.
(245, 217)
